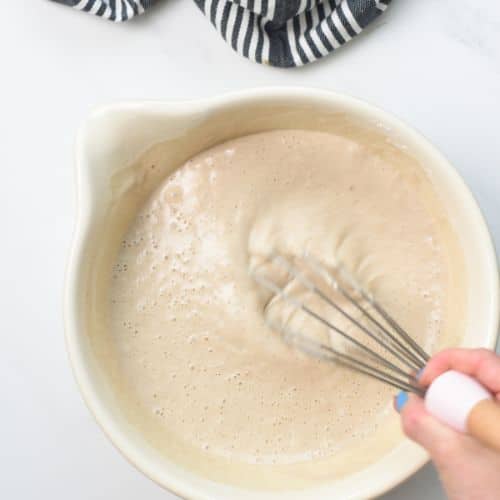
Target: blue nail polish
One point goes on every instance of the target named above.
(401, 400)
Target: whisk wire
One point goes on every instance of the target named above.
(315, 289)
(425, 357)
(399, 344)
(350, 362)
(272, 286)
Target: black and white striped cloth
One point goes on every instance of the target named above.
(281, 33)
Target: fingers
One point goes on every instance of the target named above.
(438, 439)
(467, 469)
(482, 364)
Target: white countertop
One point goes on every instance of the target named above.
(435, 64)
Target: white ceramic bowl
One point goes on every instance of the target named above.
(113, 136)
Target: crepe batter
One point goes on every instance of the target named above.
(201, 373)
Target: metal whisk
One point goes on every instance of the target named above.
(375, 344)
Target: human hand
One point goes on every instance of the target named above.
(467, 469)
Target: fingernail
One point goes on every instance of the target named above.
(401, 400)
(419, 373)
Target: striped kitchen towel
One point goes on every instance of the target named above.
(283, 33)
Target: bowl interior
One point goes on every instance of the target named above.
(112, 181)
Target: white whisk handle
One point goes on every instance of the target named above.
(452, 396)
(463, 403)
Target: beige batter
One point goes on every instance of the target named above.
(208, 382)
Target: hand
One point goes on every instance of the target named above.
(467, 469)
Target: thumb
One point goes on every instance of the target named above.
(437, 438)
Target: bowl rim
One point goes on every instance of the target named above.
(183, 107)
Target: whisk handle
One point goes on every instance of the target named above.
(463, 403)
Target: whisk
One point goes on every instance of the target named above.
(398, 358)
(374, 343)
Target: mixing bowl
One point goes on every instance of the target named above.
(111, 182)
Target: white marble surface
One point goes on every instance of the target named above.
(436, 64)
